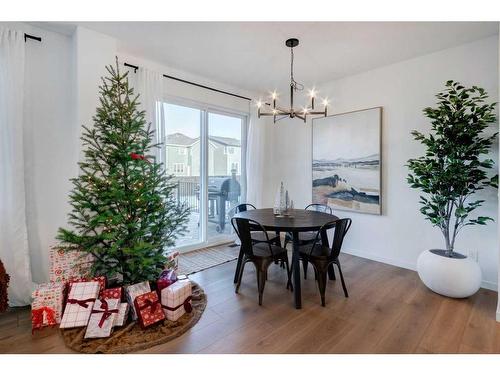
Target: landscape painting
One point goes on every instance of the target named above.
(346, 161)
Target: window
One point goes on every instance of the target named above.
(178, 168)
(215, 162)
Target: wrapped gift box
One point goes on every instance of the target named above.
(148, 309)
(79, 305)
(132, 291)
(122, 316)
(47, 305)
(100, 279)
(166, 278)
(65, 265)
(112, 293)
(102, 318)
(176, 299)
(172, 261)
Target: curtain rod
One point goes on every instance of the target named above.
(135, 67)
(28, 36)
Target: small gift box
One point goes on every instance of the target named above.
(100, 279)
(47, 305)
(65, 265)
(79, 305)
(176, 299)
(166, 278)
(148, 309)
(102, 318)
(172, 261)
(122, 316)
(112, 293)
(132, 291)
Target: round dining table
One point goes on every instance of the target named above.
(295, 222)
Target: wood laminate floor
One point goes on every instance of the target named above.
(388, 311)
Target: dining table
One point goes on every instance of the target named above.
(295, 221)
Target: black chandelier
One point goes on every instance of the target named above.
(280, 113)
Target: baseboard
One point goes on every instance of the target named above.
(411, 266)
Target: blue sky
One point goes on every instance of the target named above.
(186, 120)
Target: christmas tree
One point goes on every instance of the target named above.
(124, 210)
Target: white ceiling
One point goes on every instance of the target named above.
(252, 55)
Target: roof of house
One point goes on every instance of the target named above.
(226, 141)
(179, 139)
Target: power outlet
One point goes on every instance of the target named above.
(474, 255)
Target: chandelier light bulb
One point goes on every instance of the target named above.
(259, 104)
(274, 95)
(312, 93)
(325, 102)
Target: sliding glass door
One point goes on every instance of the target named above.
(204, 149)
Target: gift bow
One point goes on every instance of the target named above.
(187, 306)
(37, 317)
(150, 303)
(82, 302)
(106, 312)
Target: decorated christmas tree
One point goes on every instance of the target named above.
(124, 210)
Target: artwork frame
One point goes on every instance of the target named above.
(348, 177)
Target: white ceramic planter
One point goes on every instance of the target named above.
(451, 277)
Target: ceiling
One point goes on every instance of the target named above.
(252, 55)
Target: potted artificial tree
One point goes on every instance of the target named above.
(452, 170)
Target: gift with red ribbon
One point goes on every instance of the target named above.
(148, 309)
(47, 304)
(166, 278)
(176, 299)
(100, 279)
(79, 305)
(102, 318)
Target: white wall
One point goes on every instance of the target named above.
(403, 90)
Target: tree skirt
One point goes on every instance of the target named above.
(131, 337)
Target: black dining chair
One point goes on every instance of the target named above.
(307, 238)
(257, 235)
(261, 254)
(322, 257)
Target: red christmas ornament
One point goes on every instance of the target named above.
(138, 157)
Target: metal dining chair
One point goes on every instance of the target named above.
(261, 254)
(322, 257)
(256, 235)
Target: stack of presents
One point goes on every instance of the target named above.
(73, 299)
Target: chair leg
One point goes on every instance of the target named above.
(331, 272)
(261, 283)
(305, 263)
(238, 266)
(288, 274)
(322, 274)
(342, 279)
(240, 276)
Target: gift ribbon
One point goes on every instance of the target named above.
(150, 303)
(37, 317)
(187, 306)
(82, 302)
(106, 312)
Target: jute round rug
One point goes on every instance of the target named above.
(131, 337)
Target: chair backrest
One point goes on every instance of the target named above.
(241, 208)
(341, 227)
(243, 228)
(320, 208)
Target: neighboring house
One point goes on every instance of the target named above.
(183, 155)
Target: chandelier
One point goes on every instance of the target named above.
(279, 113)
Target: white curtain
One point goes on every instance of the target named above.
(14, 251)
(149, 85)
(255, 159)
